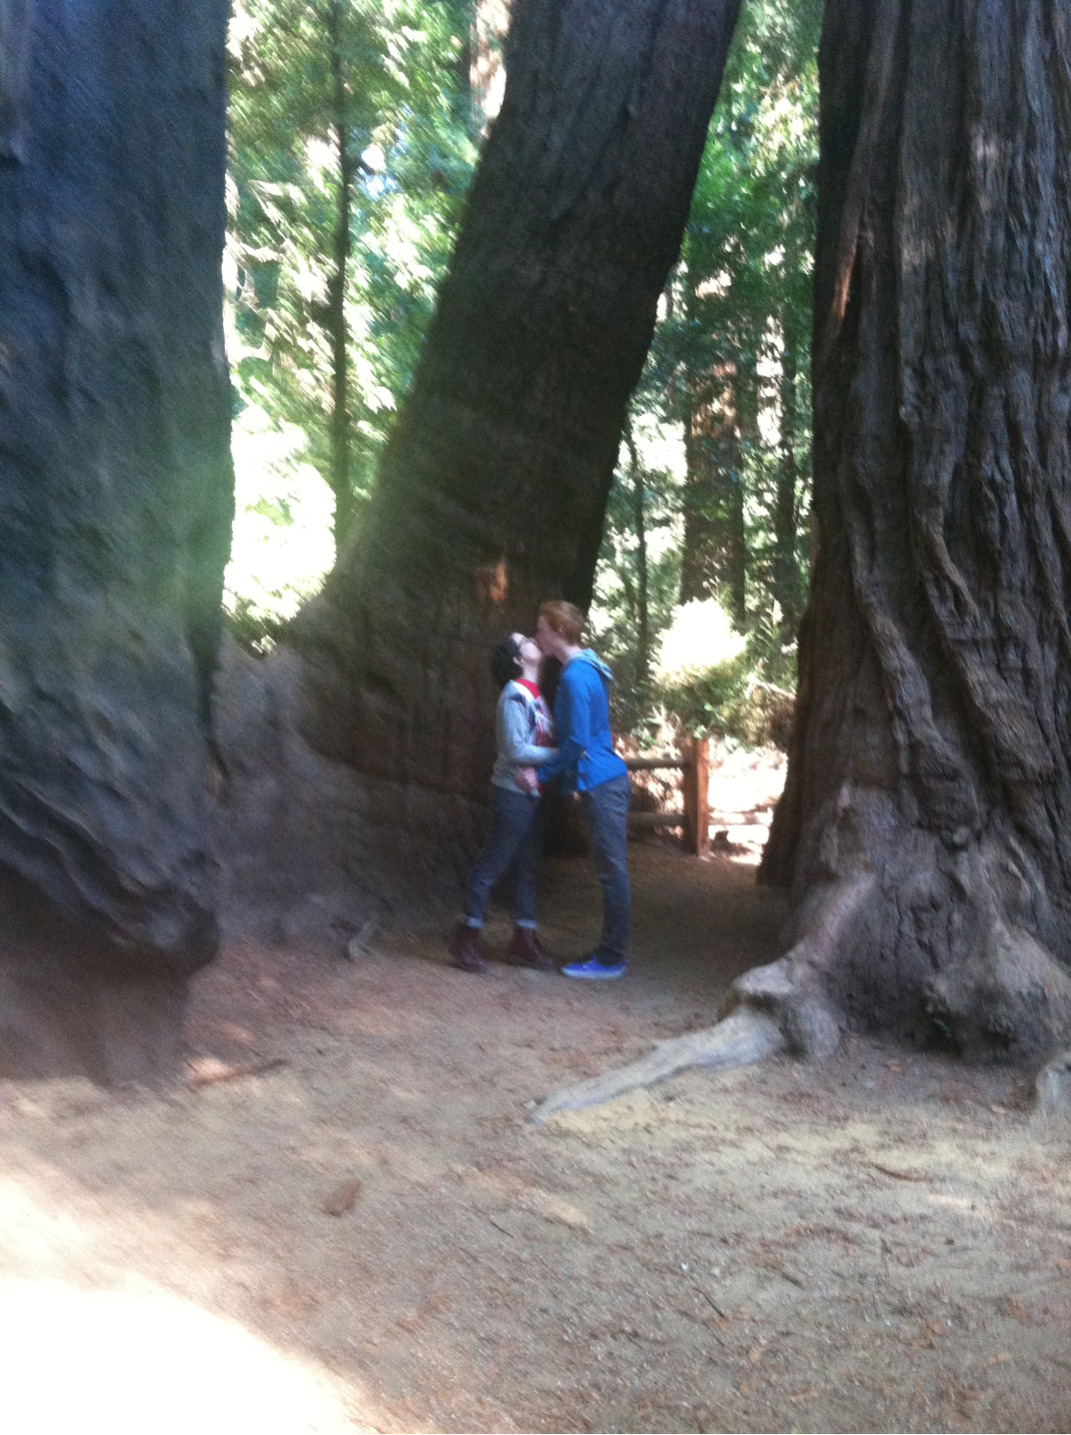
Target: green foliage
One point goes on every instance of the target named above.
(736, 313)
(729, 374)
(638, 571)
(253, 628)
(403, 110)
(739, 698)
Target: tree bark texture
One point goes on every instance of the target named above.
(924, 828)
(116, 493)
(491, 493)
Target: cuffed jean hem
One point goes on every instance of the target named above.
(515, 836)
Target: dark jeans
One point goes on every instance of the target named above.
(605, 807)
(516, 835)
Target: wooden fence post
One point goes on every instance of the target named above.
(696, 795)
(694, 767)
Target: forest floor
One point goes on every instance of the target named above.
(345, 1219)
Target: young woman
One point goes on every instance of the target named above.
(524, 737)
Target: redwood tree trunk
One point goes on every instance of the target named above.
(491, 494)
(925, 824)
(116, 493)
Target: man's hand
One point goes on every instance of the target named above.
(527, 780)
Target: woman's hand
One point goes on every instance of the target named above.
(526, 779)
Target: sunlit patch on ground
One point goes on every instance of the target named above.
(138, 1360)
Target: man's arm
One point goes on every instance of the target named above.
(572, 714)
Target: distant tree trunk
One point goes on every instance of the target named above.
(714, 558)
(746, 404)
(490, 25)
(639, 521)
(337, 326)
(117, 500)
(925, 824)
(492, 490)
(786, 574)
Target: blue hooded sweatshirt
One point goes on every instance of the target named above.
(586, 756)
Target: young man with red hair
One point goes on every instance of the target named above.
(586, 763)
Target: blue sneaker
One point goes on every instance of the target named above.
(592, 970)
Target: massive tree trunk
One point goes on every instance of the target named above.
(925, 825)
(116, 493)
(491, 493)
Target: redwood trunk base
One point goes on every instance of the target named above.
(72, 1006)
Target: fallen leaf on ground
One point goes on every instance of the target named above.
(344, 1197)
(555, 1208)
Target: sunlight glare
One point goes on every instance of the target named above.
(130, 1361)
(701, 636)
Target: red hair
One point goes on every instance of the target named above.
(566, 619)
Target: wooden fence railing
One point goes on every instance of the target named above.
(694, 766)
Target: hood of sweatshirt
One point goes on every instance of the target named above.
(587, 655)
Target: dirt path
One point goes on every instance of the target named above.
(880, 1243)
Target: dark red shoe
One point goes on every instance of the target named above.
(526, 950)
(467, 949)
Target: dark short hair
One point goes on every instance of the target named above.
(506, 660)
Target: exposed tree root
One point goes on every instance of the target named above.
(1052, 1087)
(744, 1037)
(1012, 1002)
(772, 1009)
